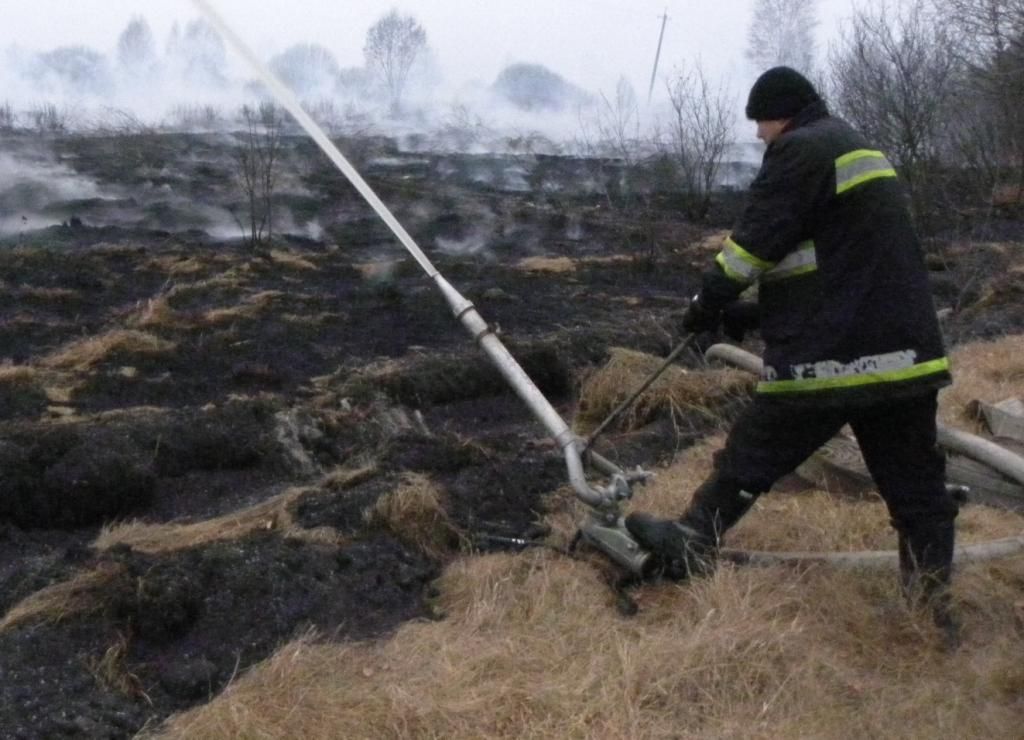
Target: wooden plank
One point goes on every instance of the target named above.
(987, 486)
(1004, 419)
(839, 468)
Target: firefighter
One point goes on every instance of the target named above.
(850, 334)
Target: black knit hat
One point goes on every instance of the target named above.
(779, 93)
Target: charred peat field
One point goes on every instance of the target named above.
(195, 431)
(209, 447)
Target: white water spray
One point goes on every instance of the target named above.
(604, 498)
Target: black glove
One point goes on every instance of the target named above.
(739, 317)
(700, 320)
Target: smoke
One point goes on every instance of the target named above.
(474, 245)
(31, 184)
(188, 82)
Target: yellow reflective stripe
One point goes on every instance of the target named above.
(729, 271)
(819, 384)
(856, 155)
(739, 264)
(859, 166)
(798, 262)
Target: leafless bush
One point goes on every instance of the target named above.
(613, 128)
(989, 37)
(893, 76)
(8, 118)
(257, 159)
(192, 117)
(463, 129)
(47, 118)
(526, 143)
(120, 122)
(610, 137)
(697, 134)
(782, 32)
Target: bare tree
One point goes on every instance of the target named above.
(257, 159)
(199, 53)
(782, 32)
(892, 75)
(990, 41)
(698, 134)
(8, 117)
(610, 137)
(136, 50)
(392, 47)
(619, 122)
(307, 69)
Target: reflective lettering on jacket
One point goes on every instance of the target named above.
(827, 374)
(860, 166)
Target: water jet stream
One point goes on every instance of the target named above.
(605, 498)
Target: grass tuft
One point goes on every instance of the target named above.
(678, 391)
(85, 354)
(414, 512)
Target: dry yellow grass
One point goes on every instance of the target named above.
(678, 390)
(987, 371)
(83, 354)
(18, 375)
(378, 269)
(157, 313)
(532, 647)
(85, 591)
(711, 244)
(272, 514)
(231, 280)
(181, 265)
(249, 308)
(291, 260)
(111, 670)
(48, 294)
(569, 264)
(414, 512)
(546, 264)
(60, 600)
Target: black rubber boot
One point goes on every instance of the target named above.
(689, 546)
(717, 505)
(677, 551)
(926, 567)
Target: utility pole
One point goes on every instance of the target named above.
(657, 55)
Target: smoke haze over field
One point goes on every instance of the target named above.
(68, 52)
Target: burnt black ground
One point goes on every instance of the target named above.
(308, 367)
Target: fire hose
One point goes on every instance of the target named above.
(604, 520)
(603, 527)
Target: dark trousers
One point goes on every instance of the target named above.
(770, 439)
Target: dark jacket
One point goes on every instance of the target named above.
(846, 311)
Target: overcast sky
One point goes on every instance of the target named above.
(590, 42)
